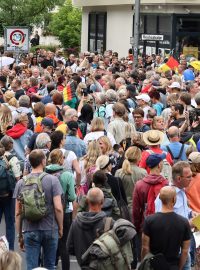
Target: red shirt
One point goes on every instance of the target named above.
(156, 150)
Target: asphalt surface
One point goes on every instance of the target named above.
(73, 262)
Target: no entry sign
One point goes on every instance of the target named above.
(16, 39)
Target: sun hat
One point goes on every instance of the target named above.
(102, 162)
(153, 137)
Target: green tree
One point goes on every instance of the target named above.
(25, 12)
(66, 24)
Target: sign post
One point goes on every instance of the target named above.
(136, 32)
(16, 40)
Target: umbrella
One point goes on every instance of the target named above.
(195, 64)
(6, 61)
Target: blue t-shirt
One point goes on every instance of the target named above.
(158, 107)
(175, 148)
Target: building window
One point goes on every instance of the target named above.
(97, 32)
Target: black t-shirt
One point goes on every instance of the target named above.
(19, 93)
(167, 231)
(178, 122)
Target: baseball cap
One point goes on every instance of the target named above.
(175, 85)
(156, 84)
(48, 122)
(154, 159)
(144, 97)
(194, 157)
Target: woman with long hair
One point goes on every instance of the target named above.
(11, 102)
(70, 159)
(55, 167)
(87, 164)
(130, 172)
(5, 119)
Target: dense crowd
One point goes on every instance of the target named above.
(117, 141)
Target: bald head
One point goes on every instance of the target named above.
(50, 109)
(167, 195)
(95, 196)
(173, 132)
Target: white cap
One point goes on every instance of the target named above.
(144, 97)
(175, 85)
(130, 62)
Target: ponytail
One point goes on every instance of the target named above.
(126, 167)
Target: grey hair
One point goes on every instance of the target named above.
(111, 95)
(7, 141)
(121, 80)
(42, 140)
(24, 101)
(101, 97)
(95, 196)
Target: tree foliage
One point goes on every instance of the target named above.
(25, 12)
(66, 24)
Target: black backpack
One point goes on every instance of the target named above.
(7, 179)
(176, 159)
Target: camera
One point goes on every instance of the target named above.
(84, 92)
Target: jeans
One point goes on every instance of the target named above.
(62, 243)
(34, 241)
(7, 207)
(187, 265)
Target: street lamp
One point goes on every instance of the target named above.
(136, 32)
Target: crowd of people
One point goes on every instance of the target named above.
(109, 137)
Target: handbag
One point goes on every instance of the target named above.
(123, 208)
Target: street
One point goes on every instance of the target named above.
(73, 262)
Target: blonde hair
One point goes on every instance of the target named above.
(132, 155)
(5, 118)
(10, 260)
(9, 98)
(21, 117)
(107, 142)
(155, 120)
(55, 156)
(93, 152)
(97, 124)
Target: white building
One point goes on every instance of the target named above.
(108, 24)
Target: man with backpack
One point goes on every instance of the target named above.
(39, 213)
(146, 191)
(88, 225)
(176, 149)
(166, 236)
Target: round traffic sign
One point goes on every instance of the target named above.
(17, 37)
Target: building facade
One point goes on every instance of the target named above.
(108, 24)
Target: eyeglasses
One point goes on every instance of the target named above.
(137, 116)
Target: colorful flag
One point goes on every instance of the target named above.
(172, 62)
(163, 68)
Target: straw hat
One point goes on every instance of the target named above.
(153, 137)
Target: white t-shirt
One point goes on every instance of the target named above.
(96, 135)
(70, 157)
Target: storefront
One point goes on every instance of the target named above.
(108, 24)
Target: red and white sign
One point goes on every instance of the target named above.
(16, 38)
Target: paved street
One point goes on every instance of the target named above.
(73, 263)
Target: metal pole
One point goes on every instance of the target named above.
(136, 32)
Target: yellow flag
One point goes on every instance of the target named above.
(163, 68)
(195, 64)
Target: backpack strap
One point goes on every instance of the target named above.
(107, 224)
(169, 150)
(181, 152)
(25, 178)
